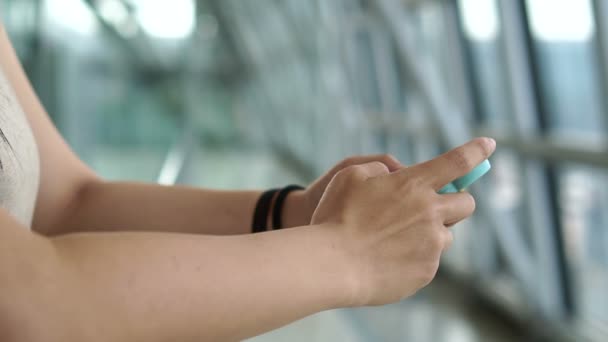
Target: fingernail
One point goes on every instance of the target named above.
(491, 143)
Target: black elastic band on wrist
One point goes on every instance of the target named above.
(262, 208)
(278, 205)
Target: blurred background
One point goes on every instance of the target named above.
(252, 94)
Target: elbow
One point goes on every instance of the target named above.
(62, 217)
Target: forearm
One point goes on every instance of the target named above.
(160, 287)
(107, 206)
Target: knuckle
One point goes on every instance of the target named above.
(412, 182)
(461, 160)
(430, 210)
(436, 242)
(345, 173)
(389, 158)
(355, 171)
(429, 272)
(379, 166)
(434, 216)
(346, 162)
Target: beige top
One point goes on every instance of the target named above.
(19, 162)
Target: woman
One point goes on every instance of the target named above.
(82, 259)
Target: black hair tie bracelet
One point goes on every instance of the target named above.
(279, 203)
(262, 208)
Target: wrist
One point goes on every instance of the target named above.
(337, 266)
(296, 211)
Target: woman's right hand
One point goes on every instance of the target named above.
(393, 227)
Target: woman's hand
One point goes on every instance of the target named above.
(393, 227)
(300, 205)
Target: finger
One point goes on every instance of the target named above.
(456, 207)
(455, 223)
(390, 161)
(454, 164)
(368, 170)
(448, 239)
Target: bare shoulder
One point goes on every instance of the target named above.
(5, 43)
(2, 30)
(6, 47)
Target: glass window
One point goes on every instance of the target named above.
(20, 19)
(568, 72)
(584, 215)
(120, 115)
(481, 25)
(568, 68)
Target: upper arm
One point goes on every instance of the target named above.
(62, 173)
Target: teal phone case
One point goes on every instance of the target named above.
(464, 182)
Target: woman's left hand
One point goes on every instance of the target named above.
(300, 205)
